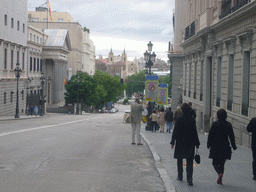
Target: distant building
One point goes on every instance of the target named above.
(117, 64)
(88, 54)
(13, 50)
(101, 64)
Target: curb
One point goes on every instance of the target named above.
(160, 167)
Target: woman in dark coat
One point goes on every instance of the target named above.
(185, 139)
(218, 143)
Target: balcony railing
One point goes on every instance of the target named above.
(190, 30)
(226, 8)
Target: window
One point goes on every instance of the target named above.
(4, 97)
(31, 63)
(18, 57)
(35, 19)
(218, 79)
(189, 79)
(5, 58)
(246, 83)
(5, 20)
(12, 96)
(45, 20)
(37, 40)
(41, 65)
(34, 38)
(37, 64)
(12, 22)
(185, 83)
(201, 80)
(23, 28)
(11, 59)
(18, 25)
(195, 78)
(230, 81)
(61, 20)
(30, 36)
(22, 94)
(23, 61)
(34, 64)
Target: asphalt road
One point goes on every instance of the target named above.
(91, 153)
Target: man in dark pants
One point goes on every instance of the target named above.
(169, 119)
(185, 139)
(252, 128)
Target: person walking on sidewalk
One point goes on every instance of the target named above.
(162, 120)
(36, 110)
(252, 128)
(177, 113)
(220, 134)
(185, 139)
(136, 118)
(31, 110)
(192, 111)
(153, 118)
(169, 119)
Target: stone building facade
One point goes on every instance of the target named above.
(13, 50)
(219, 62)
(88, 54)
(117, 64)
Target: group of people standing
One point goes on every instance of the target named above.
(32, 109)
(185, 138)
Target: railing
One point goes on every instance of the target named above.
(226, 8)
(190, 30)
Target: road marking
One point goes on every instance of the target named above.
(44, 127)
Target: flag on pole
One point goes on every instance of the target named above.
(50, 11)
(65, 82)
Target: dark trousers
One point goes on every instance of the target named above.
(254, 162)
(152, 124)
(189, 168)
(218, 165)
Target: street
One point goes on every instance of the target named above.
(62, 152)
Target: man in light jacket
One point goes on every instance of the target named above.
(136, 118)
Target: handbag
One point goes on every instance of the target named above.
(197, 157)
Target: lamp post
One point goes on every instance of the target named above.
(150, 59)
(17, 72)
(42, 101)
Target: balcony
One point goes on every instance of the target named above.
(226, 8)
(190, 31)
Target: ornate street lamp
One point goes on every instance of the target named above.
(150, 59)
(17, 72)
(42, 101)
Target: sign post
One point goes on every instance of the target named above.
(162, 94)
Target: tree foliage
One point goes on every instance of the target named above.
(94, 90)
(136, 83)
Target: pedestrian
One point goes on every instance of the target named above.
(136, 117)
(252, 128)
(162, 120)
(27, 110)
(192, 111)
(185, 139)
(31, 110)
(169, 119)
(153, 118)
(220, 136)
(69, 110)
(36, 110)
(177, 113)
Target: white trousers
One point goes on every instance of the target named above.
(136, 128)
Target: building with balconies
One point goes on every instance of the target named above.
(219, 61)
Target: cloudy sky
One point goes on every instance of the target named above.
(120, 24)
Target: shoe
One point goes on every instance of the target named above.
(219, 180)
(139, 143)
(133, 143)
(254, 178)
(179, 178)
(190, 183)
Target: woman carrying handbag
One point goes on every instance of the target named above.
(218, 142)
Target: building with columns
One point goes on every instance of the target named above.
(219, 61)
(13, 50)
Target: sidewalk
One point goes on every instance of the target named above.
(237, 176)
(7, 118)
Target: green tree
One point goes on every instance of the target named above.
(136, 83)
(166, 80)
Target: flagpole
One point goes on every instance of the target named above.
(47, 12)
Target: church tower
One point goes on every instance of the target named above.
(124, 57)
(111, 57)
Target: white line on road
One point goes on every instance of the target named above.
(44, 127)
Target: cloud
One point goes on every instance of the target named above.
(129, 23)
